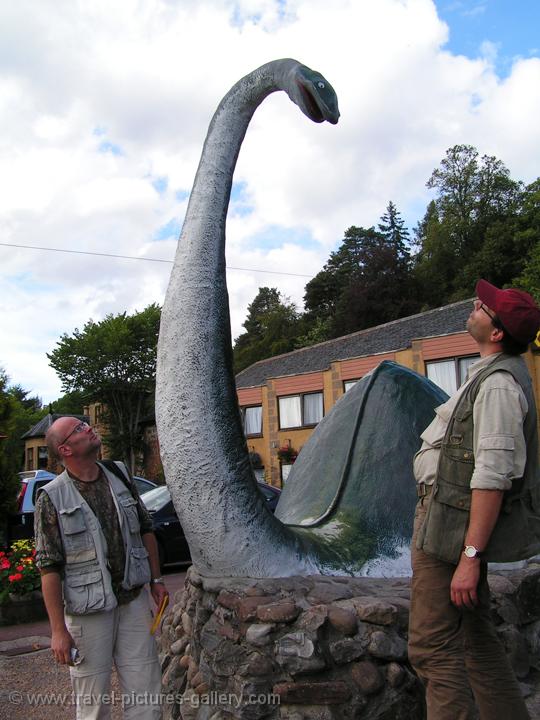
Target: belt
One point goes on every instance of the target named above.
(423, 490)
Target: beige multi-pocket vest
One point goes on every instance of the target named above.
(87, 581)
(516, 535)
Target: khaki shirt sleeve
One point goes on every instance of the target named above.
(499, 443)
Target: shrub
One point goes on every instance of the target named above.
(18, 571)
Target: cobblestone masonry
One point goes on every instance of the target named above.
(315, 648)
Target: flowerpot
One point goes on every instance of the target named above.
(23, 608)
(26, 597)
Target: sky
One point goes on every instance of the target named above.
(104, 108)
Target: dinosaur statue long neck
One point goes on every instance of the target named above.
(204, 454)
(350, 498)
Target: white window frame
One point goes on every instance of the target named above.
(458, 377)
(244, 418)
(285, 472)
(301, 397)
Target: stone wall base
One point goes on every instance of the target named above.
(22, 609)
(315, 648)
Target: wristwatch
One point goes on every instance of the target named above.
(471, 552)
(157, 581)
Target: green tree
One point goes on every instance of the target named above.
(434, 265)
(312, 331)
(322, 293)
(528, 236)
(472, 193)
(365, 282)
(114, 362)
(392, 228)
(18, 413)
(378, 290)
(33, 404)
(271, 328)
(72, 403)
(9, 461)
(469, 229)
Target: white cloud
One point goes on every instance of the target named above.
(489, 50)
(147, 76)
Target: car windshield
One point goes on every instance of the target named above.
(39, 484)
(156, 498)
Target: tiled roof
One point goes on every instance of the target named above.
(45, 423)
(392, 336)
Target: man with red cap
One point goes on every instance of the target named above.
(477, 480)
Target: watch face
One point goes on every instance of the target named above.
(470, 551)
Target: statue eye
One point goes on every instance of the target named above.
(320, 85)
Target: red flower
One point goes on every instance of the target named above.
(19, 568)
(15, 578)
(4, 564)
(2, 553)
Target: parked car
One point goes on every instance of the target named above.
(20, 524)
(271, 495)
(144, 485)
(172, 544)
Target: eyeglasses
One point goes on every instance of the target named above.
(490, 316)
(81, 427)
(495, 320)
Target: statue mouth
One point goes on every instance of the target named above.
(314, 105)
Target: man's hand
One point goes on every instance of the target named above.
(464, 583)
(61, 644)
(159, 591)
(61, 640)
(485, 508)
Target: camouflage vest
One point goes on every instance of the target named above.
(87, 586)
(516, 535)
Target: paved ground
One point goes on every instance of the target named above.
(174, 579)
(34, 673)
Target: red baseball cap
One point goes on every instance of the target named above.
(516, 310)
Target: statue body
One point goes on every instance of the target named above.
(229, 530)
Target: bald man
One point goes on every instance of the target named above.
(96, 551)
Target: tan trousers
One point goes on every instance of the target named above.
(456, 653)
(121, 636)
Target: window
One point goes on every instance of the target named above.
(348, 384)
(30, 458)
(300, 410)
(285, 471)
(259, 474)
(450, 374)
(43, 456)
(252, 420)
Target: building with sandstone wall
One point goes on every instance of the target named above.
(283, 398)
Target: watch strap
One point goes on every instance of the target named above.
(475, 554)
